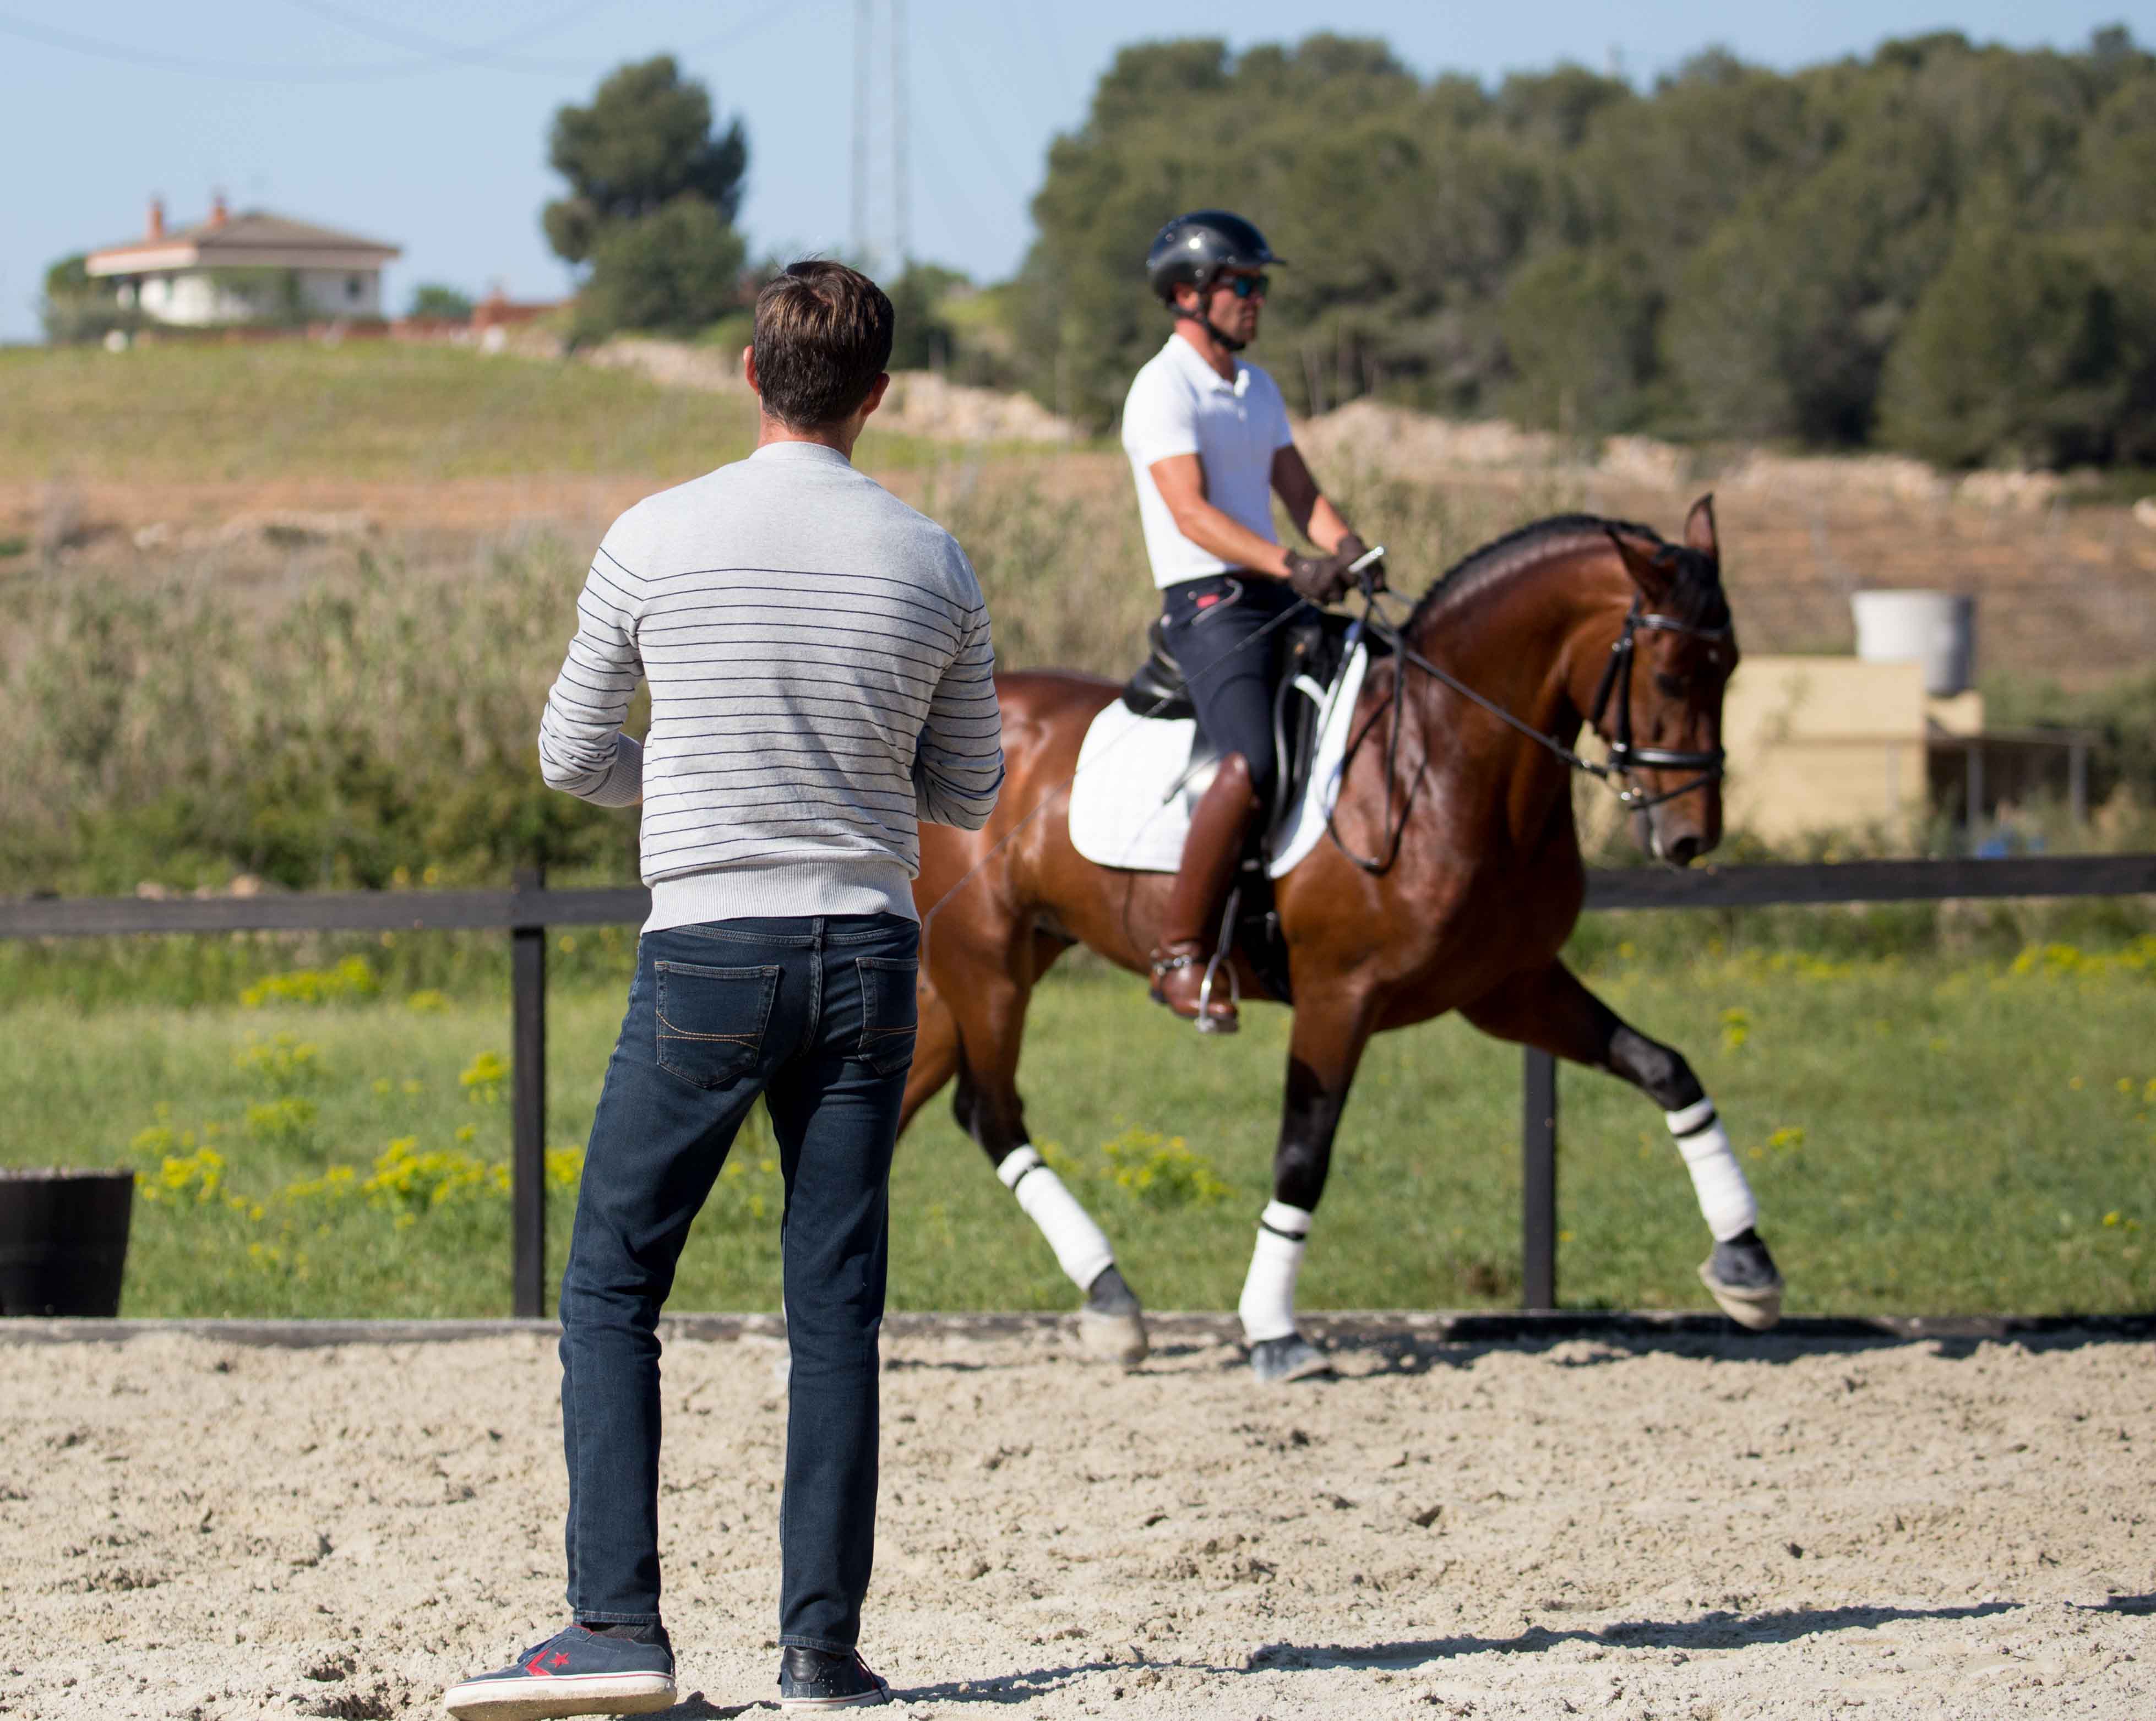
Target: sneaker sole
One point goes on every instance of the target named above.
(881, 1694)
(572, 1694)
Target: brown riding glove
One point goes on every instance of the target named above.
(1322, 579)
(1352, 549)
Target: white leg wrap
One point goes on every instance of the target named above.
(1081, 1247)
(1725, 1198)
(1268, 1301)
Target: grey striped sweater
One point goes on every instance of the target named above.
(821, 679)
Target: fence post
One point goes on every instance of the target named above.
(1538, 1182)
(527, 1087)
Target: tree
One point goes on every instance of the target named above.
(1737, 252)
(671, 272)
(432, 299)
(651, 187)
(77, 306)
(1579, 330)
(923, 337)
(2019, 352)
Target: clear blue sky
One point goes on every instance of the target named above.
(423, 123)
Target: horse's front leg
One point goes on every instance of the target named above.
(1549, 1008)
(1327, 1044)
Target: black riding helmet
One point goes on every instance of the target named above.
(1194, 248)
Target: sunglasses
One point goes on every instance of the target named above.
(1245, 286)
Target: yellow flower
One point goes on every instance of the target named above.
(482, 1078)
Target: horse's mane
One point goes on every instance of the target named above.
(1696, 596)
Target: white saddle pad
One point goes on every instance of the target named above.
(1130, 801)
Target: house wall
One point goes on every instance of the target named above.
(194, 298)
(343, 292)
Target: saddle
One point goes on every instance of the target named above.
(1308, 655)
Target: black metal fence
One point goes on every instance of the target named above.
(527, 910)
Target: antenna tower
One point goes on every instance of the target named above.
(901, 94)
(860, 228)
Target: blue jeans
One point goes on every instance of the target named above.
(817, 1016)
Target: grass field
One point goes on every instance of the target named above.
(369, 409)
(1926, 1134)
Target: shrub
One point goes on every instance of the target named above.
(2021, 352)
(671, 272)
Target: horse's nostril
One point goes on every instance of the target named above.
(1683, 851)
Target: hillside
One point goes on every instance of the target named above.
(250, 464)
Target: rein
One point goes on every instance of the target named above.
(1615, 684)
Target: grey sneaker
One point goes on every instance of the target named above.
(573, 1672)
(819, 1679)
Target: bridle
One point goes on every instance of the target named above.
(1624, 758)
(1616, 681)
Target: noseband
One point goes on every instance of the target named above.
(1616, 683)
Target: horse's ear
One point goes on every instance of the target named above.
(1699, 528)
(1647, 569)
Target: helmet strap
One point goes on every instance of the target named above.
(1206, 323)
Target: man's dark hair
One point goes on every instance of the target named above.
(822, 337)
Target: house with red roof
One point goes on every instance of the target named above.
(249, 267)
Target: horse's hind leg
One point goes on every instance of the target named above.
(934, 1051)
(987, 1002)
(1549, 1008)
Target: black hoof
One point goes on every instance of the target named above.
(1111, 1323)
(1742, 1278)
(1277, 1361)
(1109, 1295)
(1743, 1263)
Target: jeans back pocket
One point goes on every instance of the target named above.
(711, 1019)
(890, 1014)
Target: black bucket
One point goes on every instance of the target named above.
(64, 1240)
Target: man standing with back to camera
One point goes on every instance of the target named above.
(820, 670)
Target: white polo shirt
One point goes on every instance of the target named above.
(1178, 405)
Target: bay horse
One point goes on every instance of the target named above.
(1452, 878)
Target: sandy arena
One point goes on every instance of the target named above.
(1682, 1527)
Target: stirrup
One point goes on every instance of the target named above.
(1205, 1021)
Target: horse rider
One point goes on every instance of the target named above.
(1209, 446)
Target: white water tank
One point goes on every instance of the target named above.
(1936, 629)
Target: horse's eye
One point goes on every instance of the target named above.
(1672, 686)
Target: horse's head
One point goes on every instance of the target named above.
(1659, 703)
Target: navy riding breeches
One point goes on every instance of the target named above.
(1209, 624)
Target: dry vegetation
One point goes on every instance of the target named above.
(206, 451)
(326, 510)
